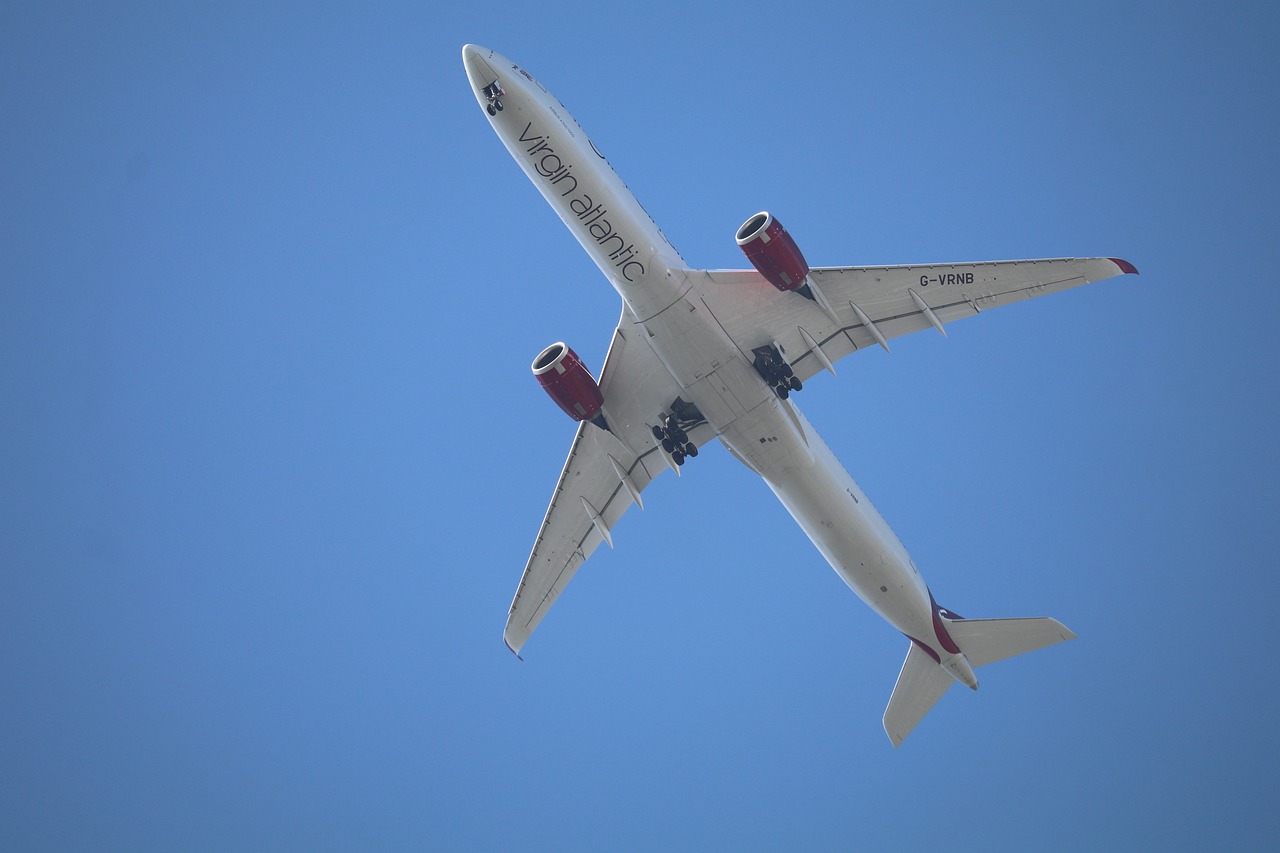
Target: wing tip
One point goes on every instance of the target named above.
(512, 648)
(1126, 268)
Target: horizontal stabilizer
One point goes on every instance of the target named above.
(985, 641)
(921, 683)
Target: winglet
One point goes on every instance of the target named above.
(1126, 268)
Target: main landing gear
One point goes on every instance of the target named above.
(672, 436)
(493, 92)
(770, 364)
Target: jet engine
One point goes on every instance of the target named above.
(772, 251)
(566, 379)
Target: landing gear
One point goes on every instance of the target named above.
(773, 368)
(672, 435)
(675, 440)
(493, 92)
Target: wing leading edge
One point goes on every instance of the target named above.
(871, 305)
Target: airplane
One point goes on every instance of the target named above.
(704, 354)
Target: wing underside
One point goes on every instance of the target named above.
(603, 476)
(866, 306)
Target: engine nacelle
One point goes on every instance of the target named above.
(566, 379)
(772, 251)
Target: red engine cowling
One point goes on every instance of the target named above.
(772, 251)
(566, 379)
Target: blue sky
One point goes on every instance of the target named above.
(271, 459)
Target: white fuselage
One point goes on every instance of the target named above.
(661, 294)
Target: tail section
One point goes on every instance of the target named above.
(920, 684)
(924, 679)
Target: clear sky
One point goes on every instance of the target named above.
(271, 458)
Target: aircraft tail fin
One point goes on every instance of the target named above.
(922, 680)
(921, 683)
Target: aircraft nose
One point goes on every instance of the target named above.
(479, 72)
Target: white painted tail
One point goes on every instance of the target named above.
(922, 681)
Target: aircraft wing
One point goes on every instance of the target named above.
(873, 304)
(603, 476)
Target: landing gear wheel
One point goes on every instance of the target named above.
(490, 110)
(783, 392)
(657, 433)
(796, 385)
(691, 450)
(787, 372)
(498, 105)
(668, 445)
(679, 436)
(678, 458)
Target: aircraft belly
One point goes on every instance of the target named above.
(700, 357)
(765, 438)
(774, 439)
(717, 403)
(850, 533)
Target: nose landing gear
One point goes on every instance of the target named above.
(493, 92)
